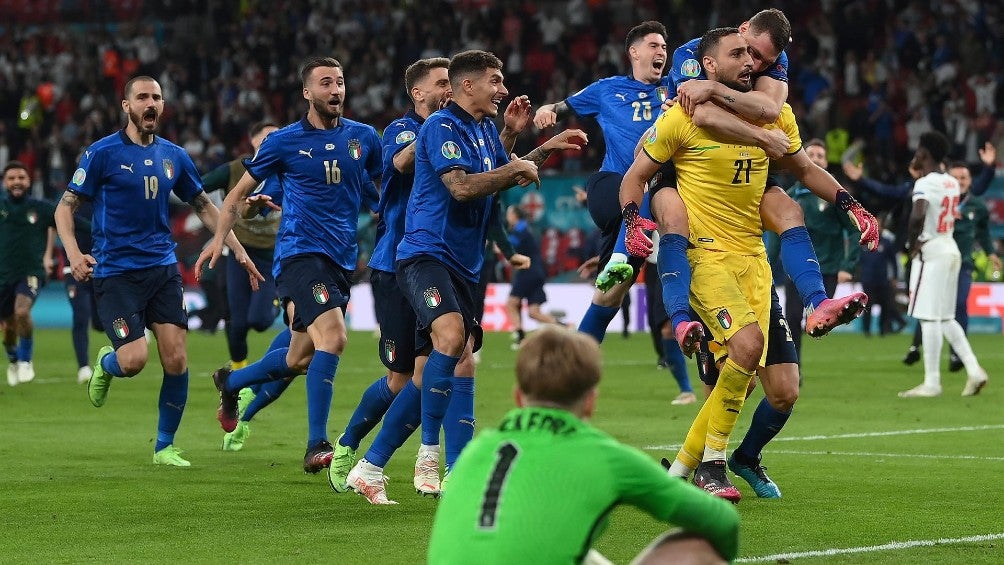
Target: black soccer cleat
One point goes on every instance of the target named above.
(318, 457)
(912, 355)
(227, 412)
(710, 476)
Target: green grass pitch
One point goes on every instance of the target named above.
(858, 467)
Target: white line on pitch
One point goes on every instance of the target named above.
(863, 434)
(865, 454)
(869, 549)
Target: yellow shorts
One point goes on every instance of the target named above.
(730, 291)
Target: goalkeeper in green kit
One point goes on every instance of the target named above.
(538, 488)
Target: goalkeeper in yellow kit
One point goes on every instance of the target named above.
(539, 488)
(722, 184)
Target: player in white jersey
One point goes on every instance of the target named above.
(935, 265)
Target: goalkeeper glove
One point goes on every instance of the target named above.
(635, 239)
(861, 218)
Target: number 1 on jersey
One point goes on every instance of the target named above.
(507, 454)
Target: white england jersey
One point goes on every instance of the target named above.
(934, 272)
(941, 191)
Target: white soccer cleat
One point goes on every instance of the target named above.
(427, 471)
(921, 391)
(975, 383)
(368, 480)
(684, 398)
(84, 374)
(25, 371)
(12, 378)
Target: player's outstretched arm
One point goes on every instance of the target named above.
(730, 128)
(81, 265)
(254, 204)
(549, 114)
(563, 141)
(823, 185)
(760, 106)
(465, 186)
(210, 216)
(227, 216)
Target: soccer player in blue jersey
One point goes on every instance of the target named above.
(527, 284)
(129, 176)
(625, 106)
(249, 310)
(327, 166)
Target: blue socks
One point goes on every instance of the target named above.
(372, 406)
(320, 386)
(645, 211)
(25, 347)
(264, 394)
(458, 426)
(402, 419)
(766, 424)
(437, 382)
(677, 363)
(269, 368)
(799, 260)
(596, 320)
(674, 274)
(173, 396)
(110, 363)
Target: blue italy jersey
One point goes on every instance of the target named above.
(326, 176)
(624, 108)
(437, 224)
(130, 185)
(686, 66)
(525, 243)
(395, 191)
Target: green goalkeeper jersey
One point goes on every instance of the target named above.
(539, 489)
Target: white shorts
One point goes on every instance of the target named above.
(934, 282)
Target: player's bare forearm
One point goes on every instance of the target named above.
(761, 106)
(65, 209)
(464, 186)
(726, 125)
(508, 138)
(211, 218)
(404, 160)
(538, 155)
(636, 179)
(232, 207)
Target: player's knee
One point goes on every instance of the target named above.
(746, 347)
(131, 362)
(679, 549)
(396, 381)
(333, 341)
(783, 398)
(174, 362)
(22, 315)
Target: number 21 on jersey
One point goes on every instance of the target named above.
(949, 211)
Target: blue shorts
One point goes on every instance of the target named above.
(433, 289)
(780, 347)
(603, 200)
(132, 301)
(27, 286)
(397, 345)
(529, 285)
(314, 284)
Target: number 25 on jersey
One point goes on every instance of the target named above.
(949, 211)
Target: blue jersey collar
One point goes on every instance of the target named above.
(460, 112)
(307, 126)
(125, 138)
(411, 114)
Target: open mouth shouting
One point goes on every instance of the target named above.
(658, 64)
(149, 118)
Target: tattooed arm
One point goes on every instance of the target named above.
(210, 216)
(81, 264)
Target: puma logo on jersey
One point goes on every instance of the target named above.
(307, 153)
(621, 96)
(447, 126)
(671, 274)
(440, 391)
(87, 154)
(126, 167)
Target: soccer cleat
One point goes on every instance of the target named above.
(756, 476)
(234, 441)
(12, 379)
(710, 476)
(342, 461)
(244, 398)
(25, 371)
(954, 363)
(517, 338)
(444, 484)
(921, 391)
(912, 355)
(97, 387)
(427, 471)
(318, 457)
(170, 455)
(684, 398)
(227, 412)
(613, 274)
(834, 312)
(368, 480)
(84, 374)
(975, 383)
(688, 336)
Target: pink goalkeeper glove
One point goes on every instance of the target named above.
(862, 219)
(638, 244)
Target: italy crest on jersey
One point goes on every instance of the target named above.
(432, 298)
(320, 293)
(390, 350)
(120, 328)
(169, 169)
(355, 149)
(724, 319)
(663, 93)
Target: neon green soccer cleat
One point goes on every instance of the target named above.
(97, 387)
(613, 274)
(170, 455)
(342, 462)
(244, 398)
(234, 441)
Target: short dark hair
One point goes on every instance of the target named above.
(15, 165)
(421, 69)
(815, 141)
(128, 86)
(775, 23)
(312, 64)
(558, 365)
(958, 165)
(256, 128)
(936, 145)
(710, 40)
(466, 63)
(641, 30)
